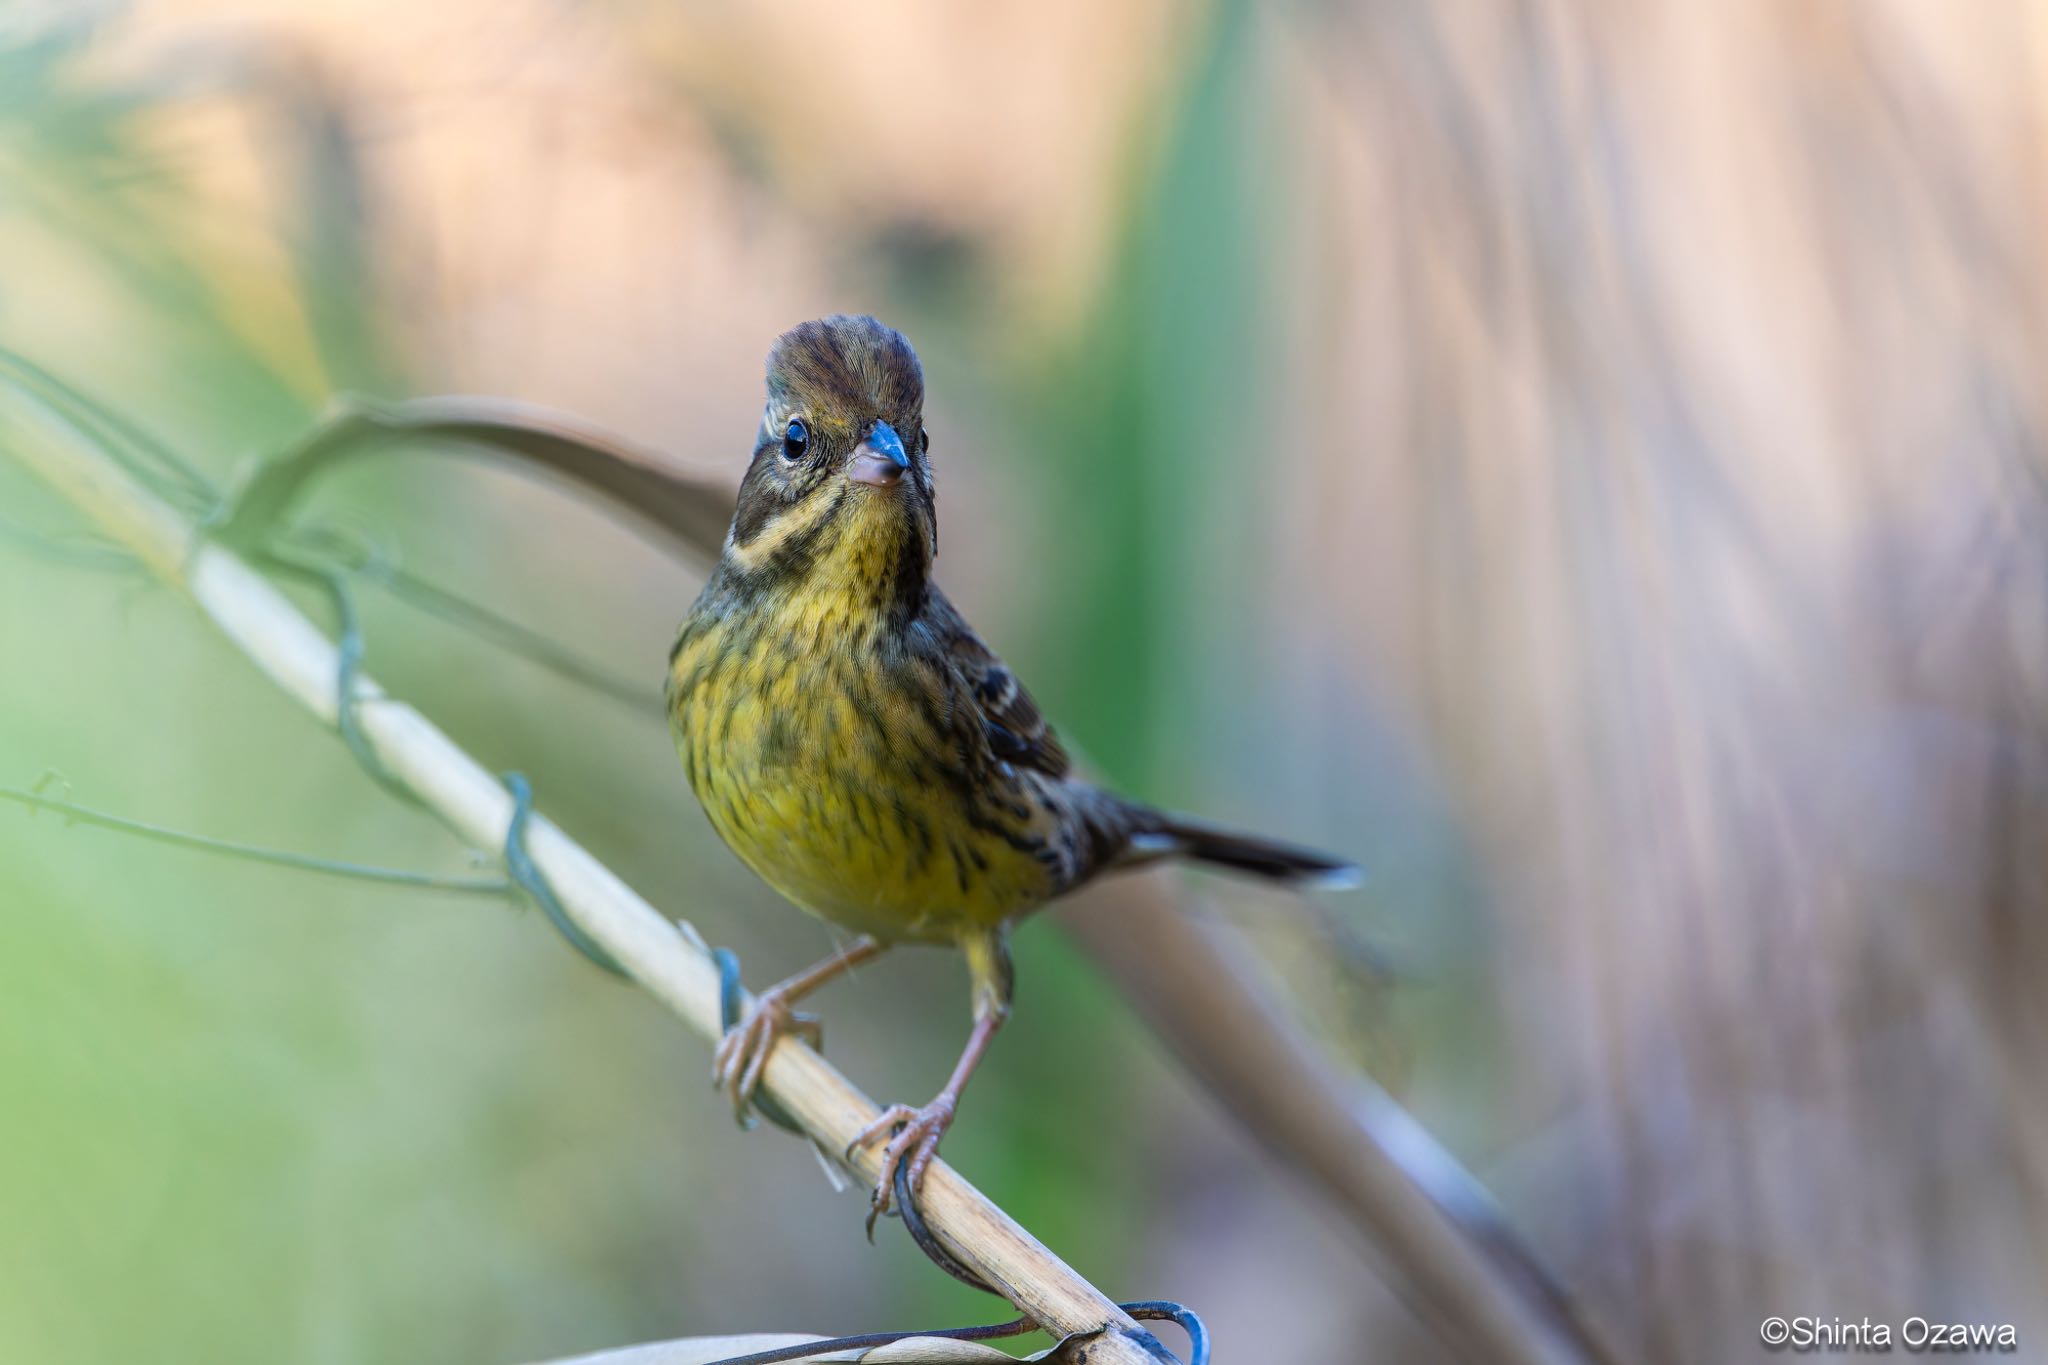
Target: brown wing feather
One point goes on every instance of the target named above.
(1016, 730)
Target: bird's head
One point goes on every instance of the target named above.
(840, 488)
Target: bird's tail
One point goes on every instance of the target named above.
(1178, 836)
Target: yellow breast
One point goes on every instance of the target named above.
(836, 774)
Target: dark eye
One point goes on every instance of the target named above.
(924, 439)
(795, 441)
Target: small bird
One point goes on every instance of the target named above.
(858, 746)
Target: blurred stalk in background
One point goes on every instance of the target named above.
(1582, 459)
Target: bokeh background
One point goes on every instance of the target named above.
(1584, 459)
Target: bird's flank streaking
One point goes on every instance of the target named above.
(854, 741)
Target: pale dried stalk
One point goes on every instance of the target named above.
(711, 1350)
(296, 655)
(1461, 1266)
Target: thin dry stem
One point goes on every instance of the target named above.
(295, 654)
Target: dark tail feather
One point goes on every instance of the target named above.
(1176, 836)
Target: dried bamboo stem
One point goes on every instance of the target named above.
(1460, 1264)
(296, 655)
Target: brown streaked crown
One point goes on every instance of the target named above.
(845, 370)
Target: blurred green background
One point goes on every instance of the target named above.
(1582, 460)
(258, 1115)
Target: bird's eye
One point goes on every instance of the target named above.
(924, 440)
(796, 439)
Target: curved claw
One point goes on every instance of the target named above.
(743, 1052)
(913, 1144)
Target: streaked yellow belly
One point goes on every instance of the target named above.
(810, 770)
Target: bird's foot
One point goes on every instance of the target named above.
(743, 1052)
(913, 1141)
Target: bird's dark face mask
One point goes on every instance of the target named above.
(838, 498)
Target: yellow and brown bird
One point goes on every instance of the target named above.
(858, 746)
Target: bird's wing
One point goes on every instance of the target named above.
(1016, 731)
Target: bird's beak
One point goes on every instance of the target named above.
(879, 459)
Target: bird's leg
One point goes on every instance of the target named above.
(914, 1133)
(743, 1052)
